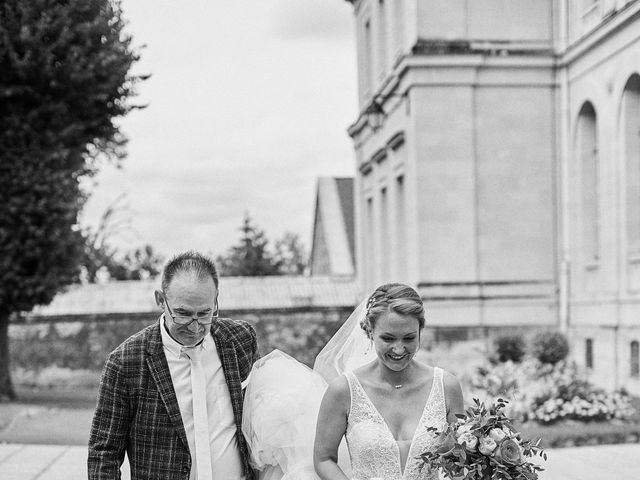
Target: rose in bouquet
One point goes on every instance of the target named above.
(484, 445)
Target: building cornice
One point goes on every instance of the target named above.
(392, 86)
(438, 46)
(476, 60)
(611, 24)
(388, 89)
(356, 127)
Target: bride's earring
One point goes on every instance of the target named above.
(369, 347)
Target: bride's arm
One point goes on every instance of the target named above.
(453, 397)
(331, 427)
(454, 402)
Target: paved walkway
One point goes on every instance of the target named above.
(57, 462)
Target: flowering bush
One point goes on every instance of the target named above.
(596, 406)
(551, 392)
(499, 380)
(484, 445)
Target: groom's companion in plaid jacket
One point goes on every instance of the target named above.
(148, 399)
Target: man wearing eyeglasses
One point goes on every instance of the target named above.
(171, 395)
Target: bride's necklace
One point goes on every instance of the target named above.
(397, 383)
(397, 386)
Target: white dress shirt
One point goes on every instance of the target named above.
(225, 455)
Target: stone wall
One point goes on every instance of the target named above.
(83, 342)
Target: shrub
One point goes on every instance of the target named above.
(550, 347)
(499, 380)
(509, 348)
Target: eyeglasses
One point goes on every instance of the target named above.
(206, 318)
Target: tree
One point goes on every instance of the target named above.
(64, 78)
(98, 254)
(138, 264)
(251, 257)
(100, 257)
(141, 263)
(290, 255)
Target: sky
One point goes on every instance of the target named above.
(248, 104)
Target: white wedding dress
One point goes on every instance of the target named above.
(374, 452)
(281, 405)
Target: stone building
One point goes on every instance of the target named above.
(498, 155)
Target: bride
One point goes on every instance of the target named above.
(379, 399)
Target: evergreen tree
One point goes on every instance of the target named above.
(251, 257)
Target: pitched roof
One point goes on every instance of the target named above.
(236, 293)
(333, 249)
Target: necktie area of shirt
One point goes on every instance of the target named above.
(200, 416)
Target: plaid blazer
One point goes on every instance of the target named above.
(137, 410)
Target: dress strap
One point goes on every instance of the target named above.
(438, 378)
(351, 381)
(438, 390)
(438, 383)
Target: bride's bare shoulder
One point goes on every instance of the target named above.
(365, 373)
(338, 391)
(423, 368)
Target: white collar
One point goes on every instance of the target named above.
(177, 349)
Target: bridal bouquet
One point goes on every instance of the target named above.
(483, 445)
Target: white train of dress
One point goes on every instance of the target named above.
(374, 452)
(281, 404)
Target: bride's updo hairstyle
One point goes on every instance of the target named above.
(395, 297)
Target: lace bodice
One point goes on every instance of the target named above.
(372, 448)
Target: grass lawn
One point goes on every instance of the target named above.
(59, 398)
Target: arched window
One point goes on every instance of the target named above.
(588, 353)
(587, 149)
(635, 360)
(630, 128)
